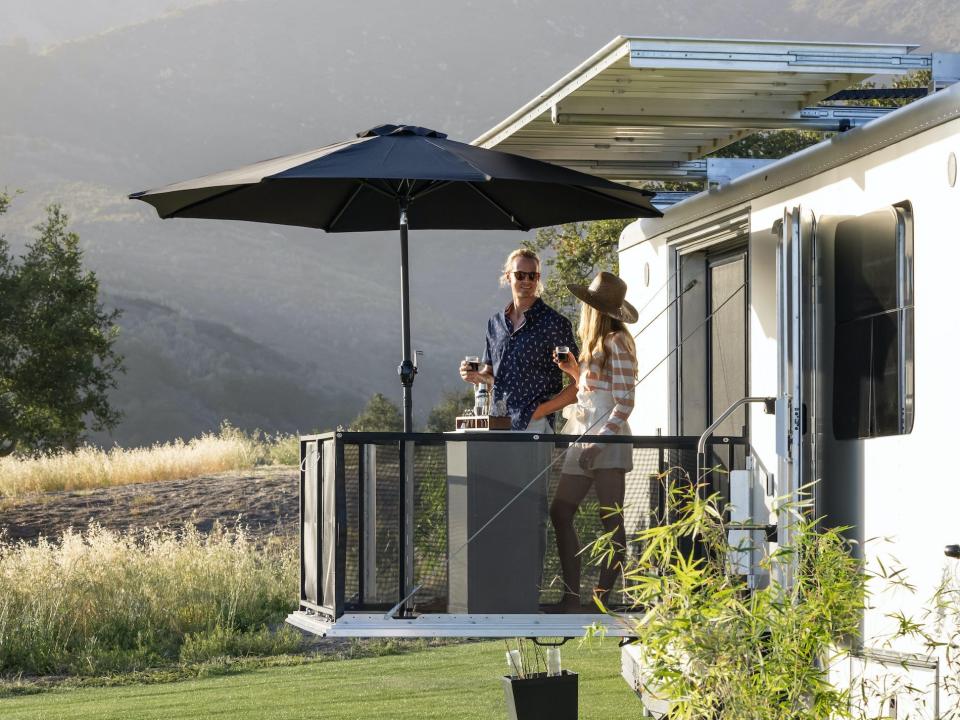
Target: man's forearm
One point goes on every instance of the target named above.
(565, 397)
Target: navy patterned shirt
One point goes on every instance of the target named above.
(522, 359)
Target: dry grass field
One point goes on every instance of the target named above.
(102, 601)
(90, 467)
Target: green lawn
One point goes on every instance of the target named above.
(457, 681)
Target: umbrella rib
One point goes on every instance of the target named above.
(434, 185)
(458, 157)
(215, 196)
(387, 193)
(625, 203)
(499, 207)
(343, 208)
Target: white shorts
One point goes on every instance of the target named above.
(618, 456)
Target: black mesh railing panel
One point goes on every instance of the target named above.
(430, 527)
(351, 471)
(387, 470)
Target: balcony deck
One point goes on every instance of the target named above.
(376, 542)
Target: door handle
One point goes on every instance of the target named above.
(952, 551)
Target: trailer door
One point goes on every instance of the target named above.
(797, 372)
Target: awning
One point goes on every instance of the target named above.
(643, 108)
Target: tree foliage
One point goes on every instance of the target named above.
(770, 144)
(444, 414)
(915, 79)
(574, 253)
(7, 342)
(379, 415)
(775, 144)
(58, 363)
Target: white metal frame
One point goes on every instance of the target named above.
(352, 624)
(641, 104)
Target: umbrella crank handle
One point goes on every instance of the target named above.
(406, 370)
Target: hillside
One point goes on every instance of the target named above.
(185, 376)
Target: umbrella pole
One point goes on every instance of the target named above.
(406, 370)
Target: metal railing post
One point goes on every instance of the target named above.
(405, 568)
(769, 404)
(368, 535)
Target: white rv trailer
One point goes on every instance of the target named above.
(807, 273)
(845, 252)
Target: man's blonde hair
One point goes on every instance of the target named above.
(508, 266)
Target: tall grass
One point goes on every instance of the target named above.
(103, 601)
(90, 467)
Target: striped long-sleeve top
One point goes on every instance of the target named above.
(617, 377)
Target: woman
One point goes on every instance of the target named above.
(605, 376)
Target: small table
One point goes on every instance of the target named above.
(500, 570)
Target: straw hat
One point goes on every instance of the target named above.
(607, 294)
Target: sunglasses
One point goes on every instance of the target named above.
(520, 275)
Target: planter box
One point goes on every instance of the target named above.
(541, 697)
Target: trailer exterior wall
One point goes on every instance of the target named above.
(899, 487)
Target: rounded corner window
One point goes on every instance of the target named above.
(873, 392)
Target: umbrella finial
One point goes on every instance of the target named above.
(388, 129)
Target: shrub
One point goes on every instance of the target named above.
(716, 649)
(222, 641)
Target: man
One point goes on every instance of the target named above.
(518, 360)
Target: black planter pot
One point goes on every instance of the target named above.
(541, 696)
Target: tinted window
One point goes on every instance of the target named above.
(866, 256)
(873, 344)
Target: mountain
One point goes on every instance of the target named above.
(51, 22)
(129, 96)
(186, 376)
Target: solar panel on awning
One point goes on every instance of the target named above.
(641, 108)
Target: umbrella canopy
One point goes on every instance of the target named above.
(356, 186)
(400, 177)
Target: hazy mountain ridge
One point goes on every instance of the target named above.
(222, 84)
(934, 24)
(185, 376)
(44, 25)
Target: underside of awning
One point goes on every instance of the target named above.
(643, 108)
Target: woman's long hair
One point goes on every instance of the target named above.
(594, 328)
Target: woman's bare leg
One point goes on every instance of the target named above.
(571, 489)
(610, 486)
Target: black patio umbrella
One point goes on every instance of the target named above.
(400, 177)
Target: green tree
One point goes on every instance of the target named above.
(7, 343)
(915, 79)
(380, 415)
(770, 144)
(444, 414)
(775, 144)
(574, 253)
(58, 363)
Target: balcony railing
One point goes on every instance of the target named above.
(377, 536)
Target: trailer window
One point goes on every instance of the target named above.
(873, 342)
